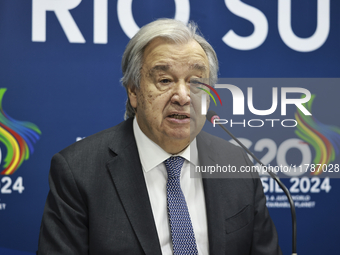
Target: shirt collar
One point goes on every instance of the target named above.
(151, 154)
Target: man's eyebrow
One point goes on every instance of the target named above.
(159, 68)
(198, 66)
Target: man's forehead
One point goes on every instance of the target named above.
(163, 55)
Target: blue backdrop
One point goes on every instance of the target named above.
(60, 63)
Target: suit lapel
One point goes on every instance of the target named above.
(126, 172)
(212, 192)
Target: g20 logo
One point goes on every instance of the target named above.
(17, 137)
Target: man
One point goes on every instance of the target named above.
(112, 193)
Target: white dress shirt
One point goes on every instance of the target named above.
(152, 159)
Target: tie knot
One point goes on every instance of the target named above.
(173, 166)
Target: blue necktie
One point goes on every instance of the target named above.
(182, 233)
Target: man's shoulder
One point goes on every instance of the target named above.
(100, 142)
(221, 151)
(216, 142)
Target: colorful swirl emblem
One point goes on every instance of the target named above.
(325, 139)
(18, 137)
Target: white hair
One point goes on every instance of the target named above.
(171, 30)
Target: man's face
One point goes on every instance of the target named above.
(166, 111)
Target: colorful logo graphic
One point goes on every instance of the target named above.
(325, 139)
(207, 91)
(18, 138)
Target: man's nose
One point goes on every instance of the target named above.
(181, 93)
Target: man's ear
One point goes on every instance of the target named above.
(132, 96)
(208, 101)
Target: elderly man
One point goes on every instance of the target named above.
(127, 190)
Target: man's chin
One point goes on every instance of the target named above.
(177, 144)
(180, 137)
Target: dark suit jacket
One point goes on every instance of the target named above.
(98, 201)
